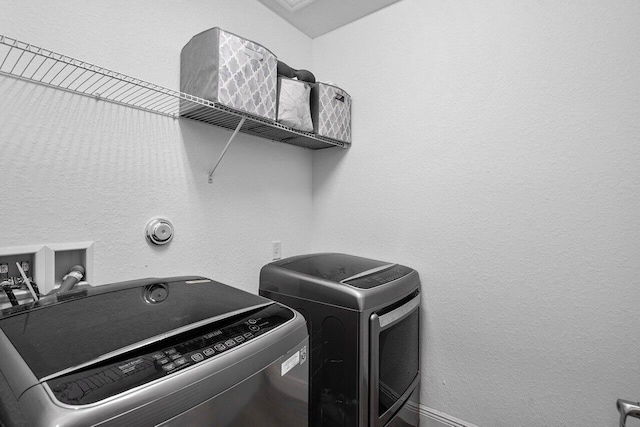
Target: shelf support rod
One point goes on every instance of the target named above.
(235, 132)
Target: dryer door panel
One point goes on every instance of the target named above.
(395, 359)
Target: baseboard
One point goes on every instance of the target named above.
(432, 418)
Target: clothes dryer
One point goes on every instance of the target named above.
(364, 325)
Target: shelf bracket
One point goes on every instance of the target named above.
(235, 132)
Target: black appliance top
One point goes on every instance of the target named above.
(166, 357)
(332, 266)
(339, 279)
(51, 338)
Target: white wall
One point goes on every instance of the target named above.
(496, 150)
(77, 169)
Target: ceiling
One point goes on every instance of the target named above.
(317, 17)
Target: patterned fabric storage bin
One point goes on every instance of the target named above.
(294, 104)
(331, 111)
(232, 71)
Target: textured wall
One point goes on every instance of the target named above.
(77, 169)
(496, 150)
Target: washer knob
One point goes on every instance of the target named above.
(159, 231)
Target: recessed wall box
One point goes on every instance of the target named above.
(61, 257)
(31, 257)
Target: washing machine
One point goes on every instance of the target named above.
(180, 351)
(364, 325)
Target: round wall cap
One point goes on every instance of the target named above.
(159, 231)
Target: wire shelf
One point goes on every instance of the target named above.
(45, 67)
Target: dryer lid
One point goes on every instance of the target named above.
(341, 280)
(335, 267)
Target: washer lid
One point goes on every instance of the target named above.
(109, 318)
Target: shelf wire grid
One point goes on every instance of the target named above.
(35, 64)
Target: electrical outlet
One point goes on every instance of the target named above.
(276, 249)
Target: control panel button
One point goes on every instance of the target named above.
(170, 351)
(158, 356)
(229, 343)
(163, 361)
(252, 321)
(197, 357)
(239, 339)
(175, 356)
(208, 351)
(169, 366)
(180, 362)
(220, 347)
(254, 328)
(247, 335)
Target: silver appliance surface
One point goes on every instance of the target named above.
(363, 317)
(343, 280)
(174, 351)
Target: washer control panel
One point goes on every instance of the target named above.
(380, 278)
(166, 357)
